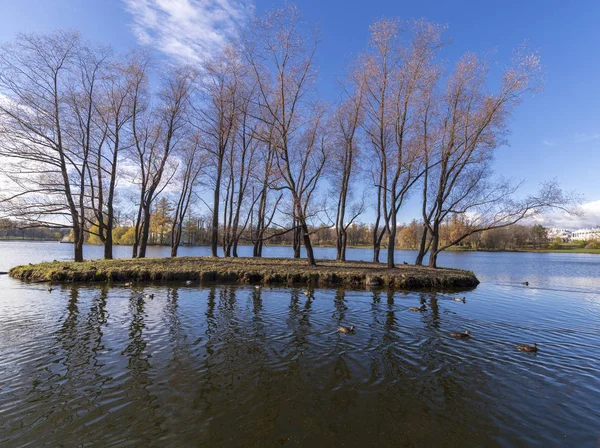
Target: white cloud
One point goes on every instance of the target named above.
(187, 30)
(583, 137)
(589, 218)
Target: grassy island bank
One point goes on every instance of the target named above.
(247, 270)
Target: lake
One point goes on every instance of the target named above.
(240, 366)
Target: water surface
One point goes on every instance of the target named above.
(239, 366)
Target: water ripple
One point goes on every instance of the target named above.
(92, 365)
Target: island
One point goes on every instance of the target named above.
(258, 271)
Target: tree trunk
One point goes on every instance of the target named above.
(341, 212)
(435, 240)
(257, 250)
(339, 245)
(174, 250)
(308, 245)
(176, 232)
(108, 243)
(214, 240)
(433, 259)
(422, 248)
(108, 237)
(261, 224)
(391, 246)
(145, 233)
(392, 239)
(138, 223)
(78, 255)
(376, 250)
(296, 239)
(77, 244)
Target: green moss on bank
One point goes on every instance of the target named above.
(247, 270)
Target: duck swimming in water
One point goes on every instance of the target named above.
(460, 299)
(346, 330)
(188, 283)
(465, 335)
(525, 283)
(128, 284)
(528, 348)
(148, 296)
(49, 289)
(418, 308)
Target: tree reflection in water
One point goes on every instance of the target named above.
(193, 363)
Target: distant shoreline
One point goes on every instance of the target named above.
(554, 251)
(28, 240)
(383, 248)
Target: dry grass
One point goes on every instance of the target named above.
(248, 270)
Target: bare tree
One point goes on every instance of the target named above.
(192, 162)
(265, 210)
(156, 134)
(412, 87)
(86, 136)
(216, 119)
(378, 66)
(242, 164)
(114, 113)
(396, 75)
(45, 168)
(346, 122)
(281, 58)
(471, 126)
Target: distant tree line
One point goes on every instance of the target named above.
(10, 230)
(196, 231)
(90, 144)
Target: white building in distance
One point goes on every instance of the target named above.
(586, 234)
(567, 235)
(564, 234)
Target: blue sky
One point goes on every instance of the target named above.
(555, 134)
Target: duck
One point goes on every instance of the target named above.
(148, 296)
(418, 308)
(257, 287)
(128, 284)
(528, 348)
(461, 299)
(49, 289)
(188, 283)
(346, 330)
(465, 335)
(525, 283)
